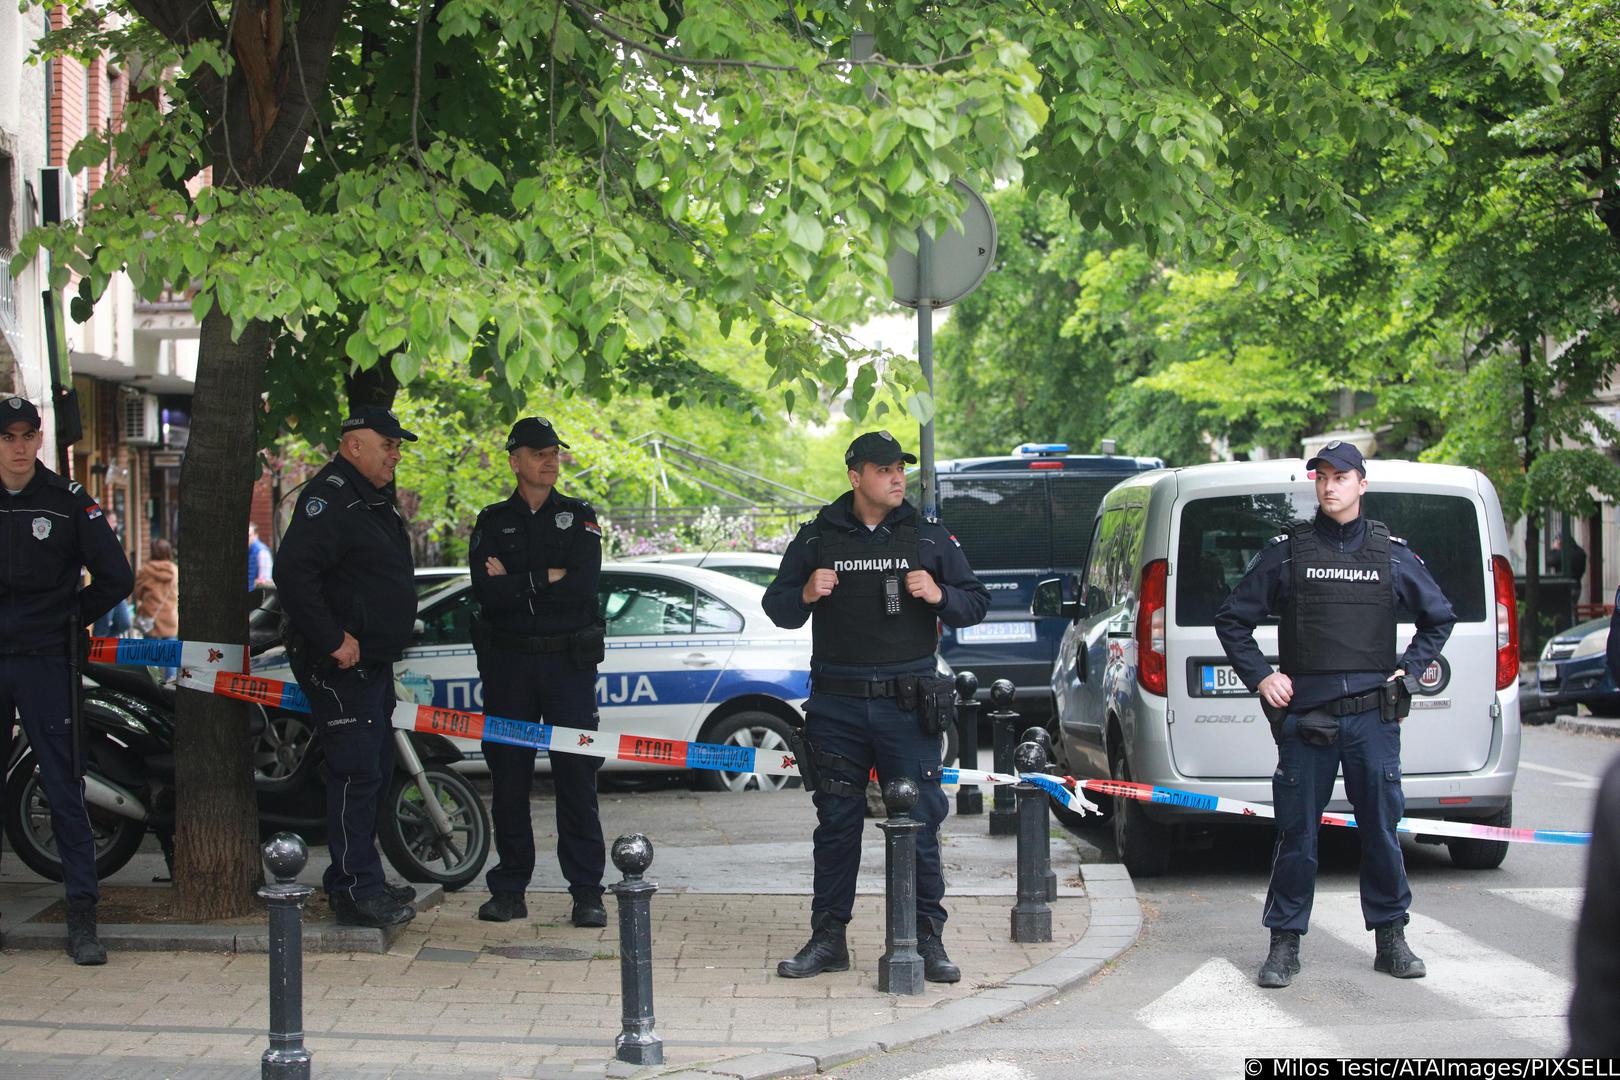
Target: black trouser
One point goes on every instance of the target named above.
(353, 713)
(542, 688)
(37, 687)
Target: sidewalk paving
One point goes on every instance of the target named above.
(734, 874)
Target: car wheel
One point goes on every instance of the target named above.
(279, 750)
(1470, 854)
(1143, 844)
(754, 728)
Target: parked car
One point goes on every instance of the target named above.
(1143, 690)
(1021, 518)
(1574, 670)
(264, 617)
(758, 567)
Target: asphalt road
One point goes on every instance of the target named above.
(1182, 1002)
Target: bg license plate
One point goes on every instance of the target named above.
(1007, 631)
(1219, 680)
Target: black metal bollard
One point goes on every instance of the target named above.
(900, 968)
(1041, 736)
(1031, 915)
(286, 1059)
(1004, 725)
(638, 1043)
(969, 799)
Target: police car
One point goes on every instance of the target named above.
(758, 567)
(690, 655)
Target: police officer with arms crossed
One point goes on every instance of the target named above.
(1336, 584)
(51, 530)
(536, 558)
(873, 578)
(348, 586)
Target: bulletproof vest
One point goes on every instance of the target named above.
(1340, 614)
(851, 624)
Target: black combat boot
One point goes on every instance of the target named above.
(1394, 957)
(588, 911)
(825, 951)
(83, 945)
(377, 911)
(1282, 962)
(503, 907)
(937, 967)
(399, 894)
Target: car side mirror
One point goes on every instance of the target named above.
(418, 630)
(1048, 601)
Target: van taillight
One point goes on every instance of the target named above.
(1507, 624)
(1150, 663)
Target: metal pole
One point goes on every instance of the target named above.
(900, 968)
(1031, 916)
(925, 357)
(969, 799)
(1004, 727)
(1043, 738)
(637, 1043)
(286, 1059)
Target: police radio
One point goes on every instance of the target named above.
(891, 593)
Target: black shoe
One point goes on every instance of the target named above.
(589, 912)
(1394, 956)
(399, 894)
(1282, 962)
(503, 907)
(83, 944)
(825, 951)
(376, 911)
(937, 967)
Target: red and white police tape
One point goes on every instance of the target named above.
(215, 669)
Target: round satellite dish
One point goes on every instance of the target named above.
(962, 256)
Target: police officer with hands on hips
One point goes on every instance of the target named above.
(536, 558)
(874, 579)
(347, 584)
(1336, 584)
(52, 530)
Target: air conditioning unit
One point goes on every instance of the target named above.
(138, 420)
(59, 195)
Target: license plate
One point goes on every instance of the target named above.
(1219, 680)
(996, 632)
(1547, 672)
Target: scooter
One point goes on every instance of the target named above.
(431, 822)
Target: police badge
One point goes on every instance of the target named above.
(42, 528)
(565, 519)
(314, 507)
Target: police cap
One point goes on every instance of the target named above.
(535, 431)
(378, 419)
(1342, 455)
(878, 447)
(14, 408)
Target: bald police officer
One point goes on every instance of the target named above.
(1336, 583)
(347, 582)
(536, 558)
(52, 529)
(874, 579)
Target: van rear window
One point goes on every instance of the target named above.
(1038, 522)
(1220, 535)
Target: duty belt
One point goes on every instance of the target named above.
(525, 643)
(1360, 703)
(861, 688)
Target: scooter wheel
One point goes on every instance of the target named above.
(413, 845)
(33, 837)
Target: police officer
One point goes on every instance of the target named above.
(873, 578)
(52, 528)
(535, 559)
(1336, 584)
(346, 582)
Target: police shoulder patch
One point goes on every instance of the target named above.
(313, 507)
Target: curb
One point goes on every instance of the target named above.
(1116, 922)
(325, 936)
(1589, 725)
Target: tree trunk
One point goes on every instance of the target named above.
(216, 863)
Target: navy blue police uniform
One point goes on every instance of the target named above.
(539, 643)
(855, 718)
(345, 566)
(49, 530)
(1336, 589)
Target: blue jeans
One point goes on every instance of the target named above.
(1370, 751)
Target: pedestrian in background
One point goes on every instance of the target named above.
(261, 567)
(157, 593)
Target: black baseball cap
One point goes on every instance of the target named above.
(1342, 455)
(535, 431)
(878, 447)
(378, 419)
(14, 408)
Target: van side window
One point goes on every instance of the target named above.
(1115, 549)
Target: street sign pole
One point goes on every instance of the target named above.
(925, 356)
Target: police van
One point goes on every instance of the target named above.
(1144, 692)
(1022, 518)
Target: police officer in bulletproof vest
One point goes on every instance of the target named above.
(347, 584)
(874, 579)
(1336, 585)
(52, 529)
(536, 558)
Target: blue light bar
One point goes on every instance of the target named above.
(1041, 449)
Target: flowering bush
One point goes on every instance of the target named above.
(711, 530)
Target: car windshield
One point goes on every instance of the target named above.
(754, 575)
(1219, 536)
(1041, 521)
